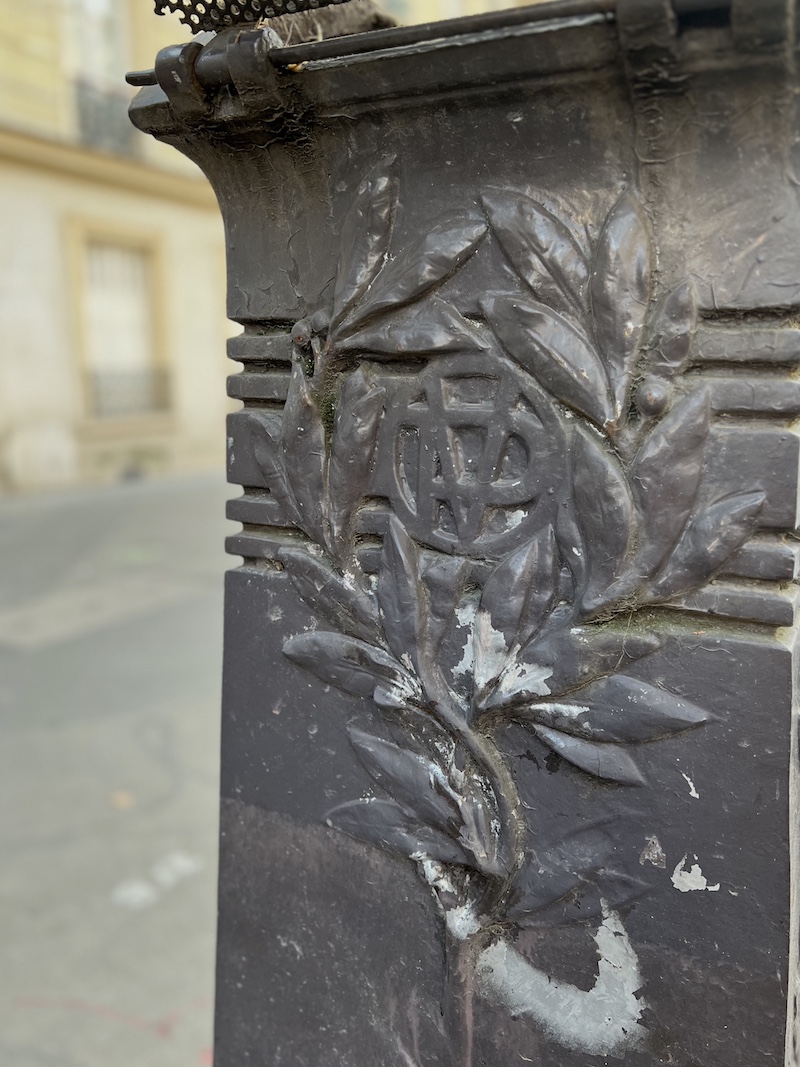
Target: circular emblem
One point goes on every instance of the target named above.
(477, 451)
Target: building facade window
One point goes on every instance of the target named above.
(125, 376)
(98, 57)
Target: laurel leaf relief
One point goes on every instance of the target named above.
(582, 338)
(646, 535)
(620, 293)
(564, 880)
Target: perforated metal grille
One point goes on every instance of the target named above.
(203, 15)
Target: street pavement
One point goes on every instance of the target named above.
(110, 661)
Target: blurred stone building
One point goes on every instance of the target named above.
(112, 321)
(112, 329)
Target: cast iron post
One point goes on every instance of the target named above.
(509, 727)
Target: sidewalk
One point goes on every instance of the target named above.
(110, 659)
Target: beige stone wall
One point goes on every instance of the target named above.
(47, 435)
(415, 11)
(54, 194)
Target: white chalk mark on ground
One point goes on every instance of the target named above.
(138, 893)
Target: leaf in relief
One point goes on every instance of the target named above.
(430, 326)
(616, 889)
(355, 434)
(541, 248)
(422, 263)
(402, 596)
(303, 441)
(570, 543)
(516, 599)
(605, 514)
(519, 593)
(619, 708)
(414, 729)
(444, 580)
(417, 783)
(591, 901)
(570, 658)
(606, 761)
(366, 233)
(549, 873)
(387, 825)
(572, 215)
(620, 291)
(708, 543)
(555, 351)
(673, 331)
(268, 455)
(349, 664)
(478, 834)
(336, 599)
(665, 476)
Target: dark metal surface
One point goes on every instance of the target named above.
(405, 36)
(509, 749)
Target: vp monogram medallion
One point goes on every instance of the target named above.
(476, 448)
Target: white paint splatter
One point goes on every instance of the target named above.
(692, 791)
(466, 618)
(527, 679)
(564, 711)
(693, 880)
(515, 518)
(603, 1021)
(653, 853)
(492, 651)
(461, 921)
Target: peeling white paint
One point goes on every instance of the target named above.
(693, 880)
(603, 1021)
(527, 678)
(515, 518)
(492, 650)
(466, 618)
(692, 791)
(653, 853)
(565, 711)
(461, 921)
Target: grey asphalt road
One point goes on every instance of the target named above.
(110, 660)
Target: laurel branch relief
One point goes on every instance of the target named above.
(551, 640)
